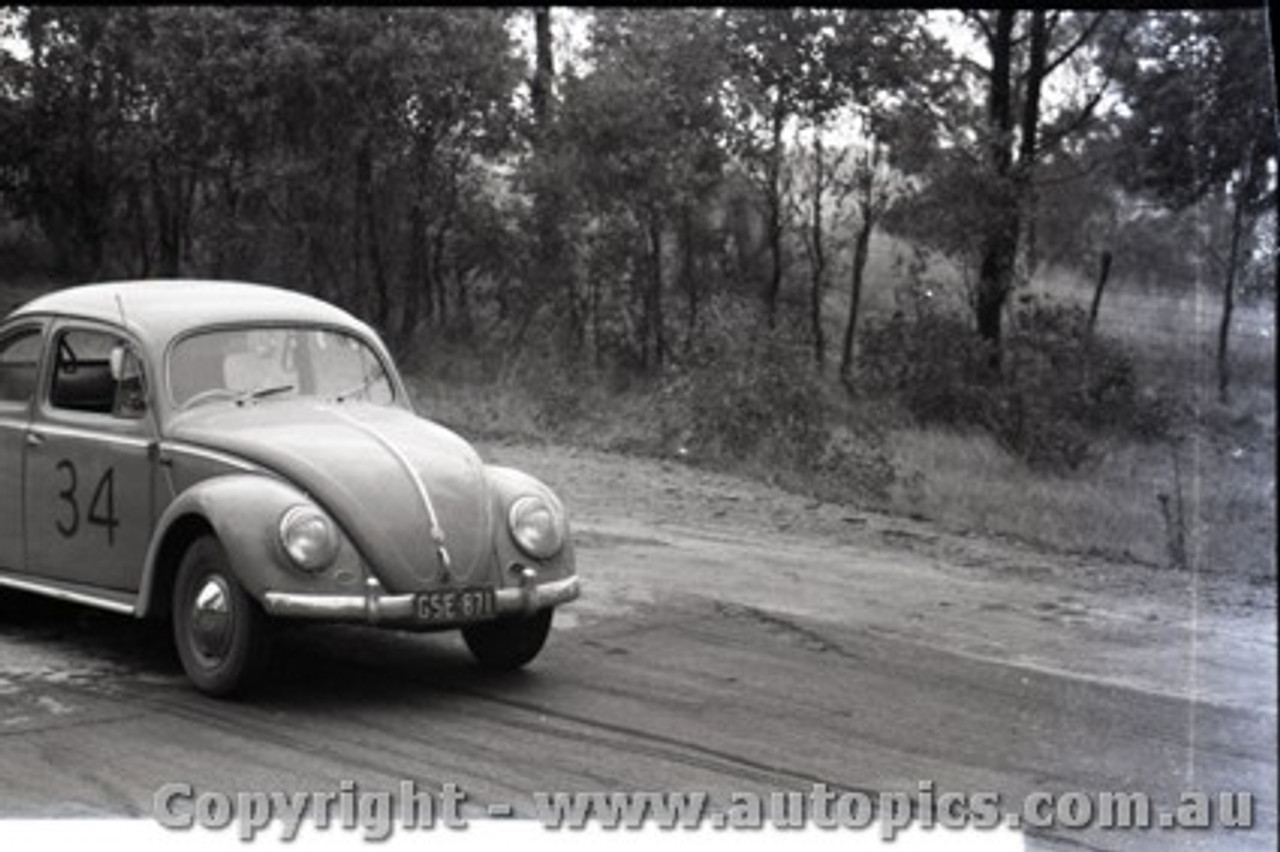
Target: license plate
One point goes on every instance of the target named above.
(452, 606)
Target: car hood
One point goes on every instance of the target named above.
(363, 464)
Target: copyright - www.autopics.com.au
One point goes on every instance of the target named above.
(377, 814)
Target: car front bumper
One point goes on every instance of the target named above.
(378, 608)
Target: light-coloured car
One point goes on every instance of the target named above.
(226, 454)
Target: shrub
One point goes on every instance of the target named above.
(1059, 387)
(754, 398)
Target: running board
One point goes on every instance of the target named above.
(123, 603)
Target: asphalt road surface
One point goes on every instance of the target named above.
(731, 638)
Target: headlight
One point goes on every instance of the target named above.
(309, 538)
(536, 527)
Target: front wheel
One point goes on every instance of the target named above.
(220, 632)
(508, 643)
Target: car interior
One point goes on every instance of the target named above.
(86, 383)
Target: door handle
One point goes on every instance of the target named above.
(34, 439)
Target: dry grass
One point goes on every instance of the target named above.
(1174, 336)
(1112, 506)
(966, 482)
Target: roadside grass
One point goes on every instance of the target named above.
(964, 480)
(1110, 509)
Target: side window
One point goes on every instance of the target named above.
(98, 373)
(19, 360)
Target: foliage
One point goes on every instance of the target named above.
(1204, 125)
(1060, 392)
(640, 136)
(253, 142)
(614, 245)
(752, 398)
(1203, 106)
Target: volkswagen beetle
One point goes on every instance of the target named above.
(225, 455)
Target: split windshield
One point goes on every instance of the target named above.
(237, 364)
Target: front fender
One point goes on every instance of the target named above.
(243, 511)
(505, 486)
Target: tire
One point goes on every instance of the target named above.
(508, 643)
(229, 656)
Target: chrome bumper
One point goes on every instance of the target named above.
(389, 609)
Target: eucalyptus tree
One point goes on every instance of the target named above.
(1028, 52)
(1204, 126)
(784, 67)
(646, 127)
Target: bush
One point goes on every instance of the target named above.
(747, 397)
(1058, 388)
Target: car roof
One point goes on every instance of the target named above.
(159, 309)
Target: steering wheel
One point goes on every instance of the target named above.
(211, 393)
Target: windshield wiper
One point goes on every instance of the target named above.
(352, 391)
(263, 393)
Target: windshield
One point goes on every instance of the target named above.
(245, 363)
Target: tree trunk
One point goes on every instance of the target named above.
(1039, 46)
(185, 214)
(1104, 271)
(819, 268)
(1011, 187)
(462, 279)
(364, 195)
(436, 267)
(861, 249)
(996, 267)
(689, 280)
(593, 304)
(653, 314)
(544, 68)
(417, 273)
(1028, 147)
(551, 270)
(774, 201)
(1228, 293)
(137, 213)
(163, 201)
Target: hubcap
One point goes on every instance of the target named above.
(211, 619)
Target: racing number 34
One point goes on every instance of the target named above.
(104, 498)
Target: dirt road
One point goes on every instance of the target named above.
(732, 638)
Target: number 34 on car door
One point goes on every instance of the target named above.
(88, 484)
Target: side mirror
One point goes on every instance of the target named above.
(117, 363)
(131, 391)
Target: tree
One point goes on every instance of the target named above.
(889, 65)
(645, 127)
(68, 128)
(1015, 134)
(821, 171)
(871, 196)
(783, 67)
(1204, 124)
(334, 149)
(551, 266)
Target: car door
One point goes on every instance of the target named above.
(89, 483)
(20, 347)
